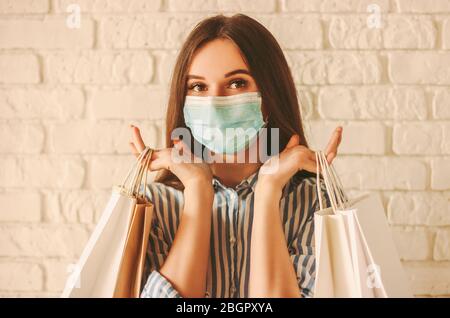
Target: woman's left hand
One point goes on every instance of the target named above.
(293, 158)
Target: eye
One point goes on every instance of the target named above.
(237, 83)
(197, 87)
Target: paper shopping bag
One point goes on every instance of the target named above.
(383, 259)
(111, 261)
(355, 252)
(333, 256)
(132, 266)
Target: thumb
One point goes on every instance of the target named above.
(295, 139)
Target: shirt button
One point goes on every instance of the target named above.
(232, 289)
(207, 295)
(232, 240)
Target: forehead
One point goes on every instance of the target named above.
(216, 58)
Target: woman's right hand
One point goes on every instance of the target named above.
(188, 171)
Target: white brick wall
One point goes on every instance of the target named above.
(64, 92)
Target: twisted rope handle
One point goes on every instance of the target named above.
(143, 175)
(131, 186)
(333, 184)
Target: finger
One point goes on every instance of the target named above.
(137, 139)
(136, 152)
(134, 149)
(334, 141)
(295, 139)
(340, 136)
(330, 157)
(160, 163)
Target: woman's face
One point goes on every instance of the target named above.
(218, 69)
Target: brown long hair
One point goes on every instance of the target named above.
(266, 63)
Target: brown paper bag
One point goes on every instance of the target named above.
(130, 273)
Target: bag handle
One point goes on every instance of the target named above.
(132, 168)
(131, 186)
(321, 167)
(333, 184)
(143, 174)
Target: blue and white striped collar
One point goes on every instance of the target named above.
(250, 181)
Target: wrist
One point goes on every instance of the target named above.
(198, 201)
(267, 200)
(268, 190)
(200, 186)
(198, 182)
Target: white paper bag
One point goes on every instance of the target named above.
(96, 272)
(355, 252)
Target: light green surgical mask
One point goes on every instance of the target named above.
(224, 124)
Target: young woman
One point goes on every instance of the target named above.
(226, 229)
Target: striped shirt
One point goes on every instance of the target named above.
(230, 241)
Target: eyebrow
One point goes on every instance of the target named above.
(239, 71)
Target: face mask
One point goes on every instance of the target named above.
(224, 124)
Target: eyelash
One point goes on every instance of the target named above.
(242, 83)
